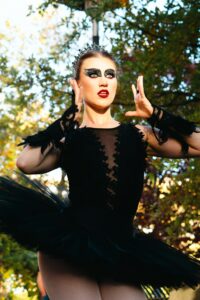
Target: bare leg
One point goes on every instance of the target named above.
(116, 291)
(63, 282)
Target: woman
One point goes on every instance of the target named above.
(88, 247)
(42, 290)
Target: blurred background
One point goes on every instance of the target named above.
(159, 39)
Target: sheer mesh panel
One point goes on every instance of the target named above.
(109, 148)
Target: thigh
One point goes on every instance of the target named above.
(117, 291)
(63, 281)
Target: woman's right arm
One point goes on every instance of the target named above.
(32, 161)
(42, 150)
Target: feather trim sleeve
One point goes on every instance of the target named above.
(54, 132)
(170, 125)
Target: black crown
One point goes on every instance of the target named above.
(86, 49)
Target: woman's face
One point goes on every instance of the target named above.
(98, 81)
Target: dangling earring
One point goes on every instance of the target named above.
(73, 97)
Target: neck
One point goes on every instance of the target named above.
(96, 117)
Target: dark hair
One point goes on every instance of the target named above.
(88, 54)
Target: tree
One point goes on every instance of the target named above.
(162, 44)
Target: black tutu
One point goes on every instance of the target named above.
(100, 241)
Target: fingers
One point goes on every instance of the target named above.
(131, 114)
(140, 86)
(134, 91)
(77, 91)
(73, 84)
(138, 97)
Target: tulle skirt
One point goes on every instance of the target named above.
(105, 243)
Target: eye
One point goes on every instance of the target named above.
(93, 74)
(110, 74)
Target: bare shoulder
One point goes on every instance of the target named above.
(144, 130)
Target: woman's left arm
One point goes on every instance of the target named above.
(171, 148)
(175, 138)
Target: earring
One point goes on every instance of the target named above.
(73, 97)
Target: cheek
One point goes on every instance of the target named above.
(87, 86)
(89, 89)
(114, 85)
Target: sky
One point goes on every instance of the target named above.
(15, 11)
(24, 32)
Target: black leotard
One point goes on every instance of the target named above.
(93, 226)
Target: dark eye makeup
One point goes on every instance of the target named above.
(110, 73)
(94, 73)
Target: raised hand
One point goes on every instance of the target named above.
(144, 109)
(78, 93)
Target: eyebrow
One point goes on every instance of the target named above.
(95, 69)
(91, 69)
(110, 70)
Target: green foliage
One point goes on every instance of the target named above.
(16, 260)
(169, 205)
(159, 45)
(93, 8)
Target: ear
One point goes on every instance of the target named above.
(78, 83)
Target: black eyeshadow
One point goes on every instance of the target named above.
(93, 71)
(97, 72)
(110, 72)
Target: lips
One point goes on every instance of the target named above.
(103, 93)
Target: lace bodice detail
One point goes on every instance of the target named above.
(105, 166)
(108, 142)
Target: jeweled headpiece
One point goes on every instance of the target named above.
(88, 48)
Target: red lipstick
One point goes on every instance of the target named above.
(103, 93)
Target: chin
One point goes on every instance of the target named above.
(100, 103)
(101, 106)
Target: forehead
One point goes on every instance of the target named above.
(99, 62)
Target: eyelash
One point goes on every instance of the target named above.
(111, 74)
(93, 74)
(96, 75)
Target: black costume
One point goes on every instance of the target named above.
(94, 227)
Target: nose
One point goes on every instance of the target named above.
(103, 81)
